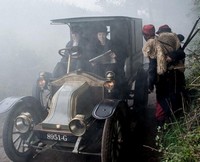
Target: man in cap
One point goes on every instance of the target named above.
(148, 31)
(169, 38)
(76, 41)
(162, 54)
(101, 45)
(175, 65)
(113, 61)
(164, 28)
(75, 36)
(149, 35)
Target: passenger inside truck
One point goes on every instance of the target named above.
(90, 47)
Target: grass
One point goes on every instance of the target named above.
(179, 141)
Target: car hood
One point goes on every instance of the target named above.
(74, 97)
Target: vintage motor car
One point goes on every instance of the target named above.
(82, 112)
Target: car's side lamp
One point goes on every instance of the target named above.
(42, 81)
(110, 81)
(109, 85)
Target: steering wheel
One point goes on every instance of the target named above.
(65, 51)
(73, 51)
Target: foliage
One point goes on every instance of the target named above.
(193, 61)
(180, 141)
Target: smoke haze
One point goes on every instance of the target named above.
(29, 44)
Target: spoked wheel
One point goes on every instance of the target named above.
(114, 137)
(18, 134)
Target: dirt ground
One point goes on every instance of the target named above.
(145, 154)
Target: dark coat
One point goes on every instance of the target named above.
(76, 63)
(170, 85)
(96, 50)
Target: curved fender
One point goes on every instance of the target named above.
(105, 109)
(10, 102)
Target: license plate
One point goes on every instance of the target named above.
(59, 137)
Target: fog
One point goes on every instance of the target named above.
(29, 44)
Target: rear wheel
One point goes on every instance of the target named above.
(139, 110)
(17, 144)
(114, 137)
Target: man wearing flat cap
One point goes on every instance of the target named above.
(164, 28)
(162, 53)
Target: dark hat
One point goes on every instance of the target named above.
(75, 29)
(102, 29)
(180, 37)
(148, 30)
(164, 28)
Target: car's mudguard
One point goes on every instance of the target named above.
(10, 102)
(105, 108)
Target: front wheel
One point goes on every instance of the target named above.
(114, 136)
(17, 144)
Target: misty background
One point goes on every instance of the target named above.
(29, 44)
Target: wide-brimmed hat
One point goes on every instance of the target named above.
(164, 28)
(148, 30)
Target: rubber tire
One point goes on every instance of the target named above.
(111, 148)
(141, 91)
(36, 91)
(8, 144)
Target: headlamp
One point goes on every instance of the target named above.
(77, 125)
(24, 122)
(42, 81)
(109, 85)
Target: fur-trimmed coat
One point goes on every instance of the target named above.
(159, 47)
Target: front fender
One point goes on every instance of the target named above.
(10, 102)
(105, 108)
